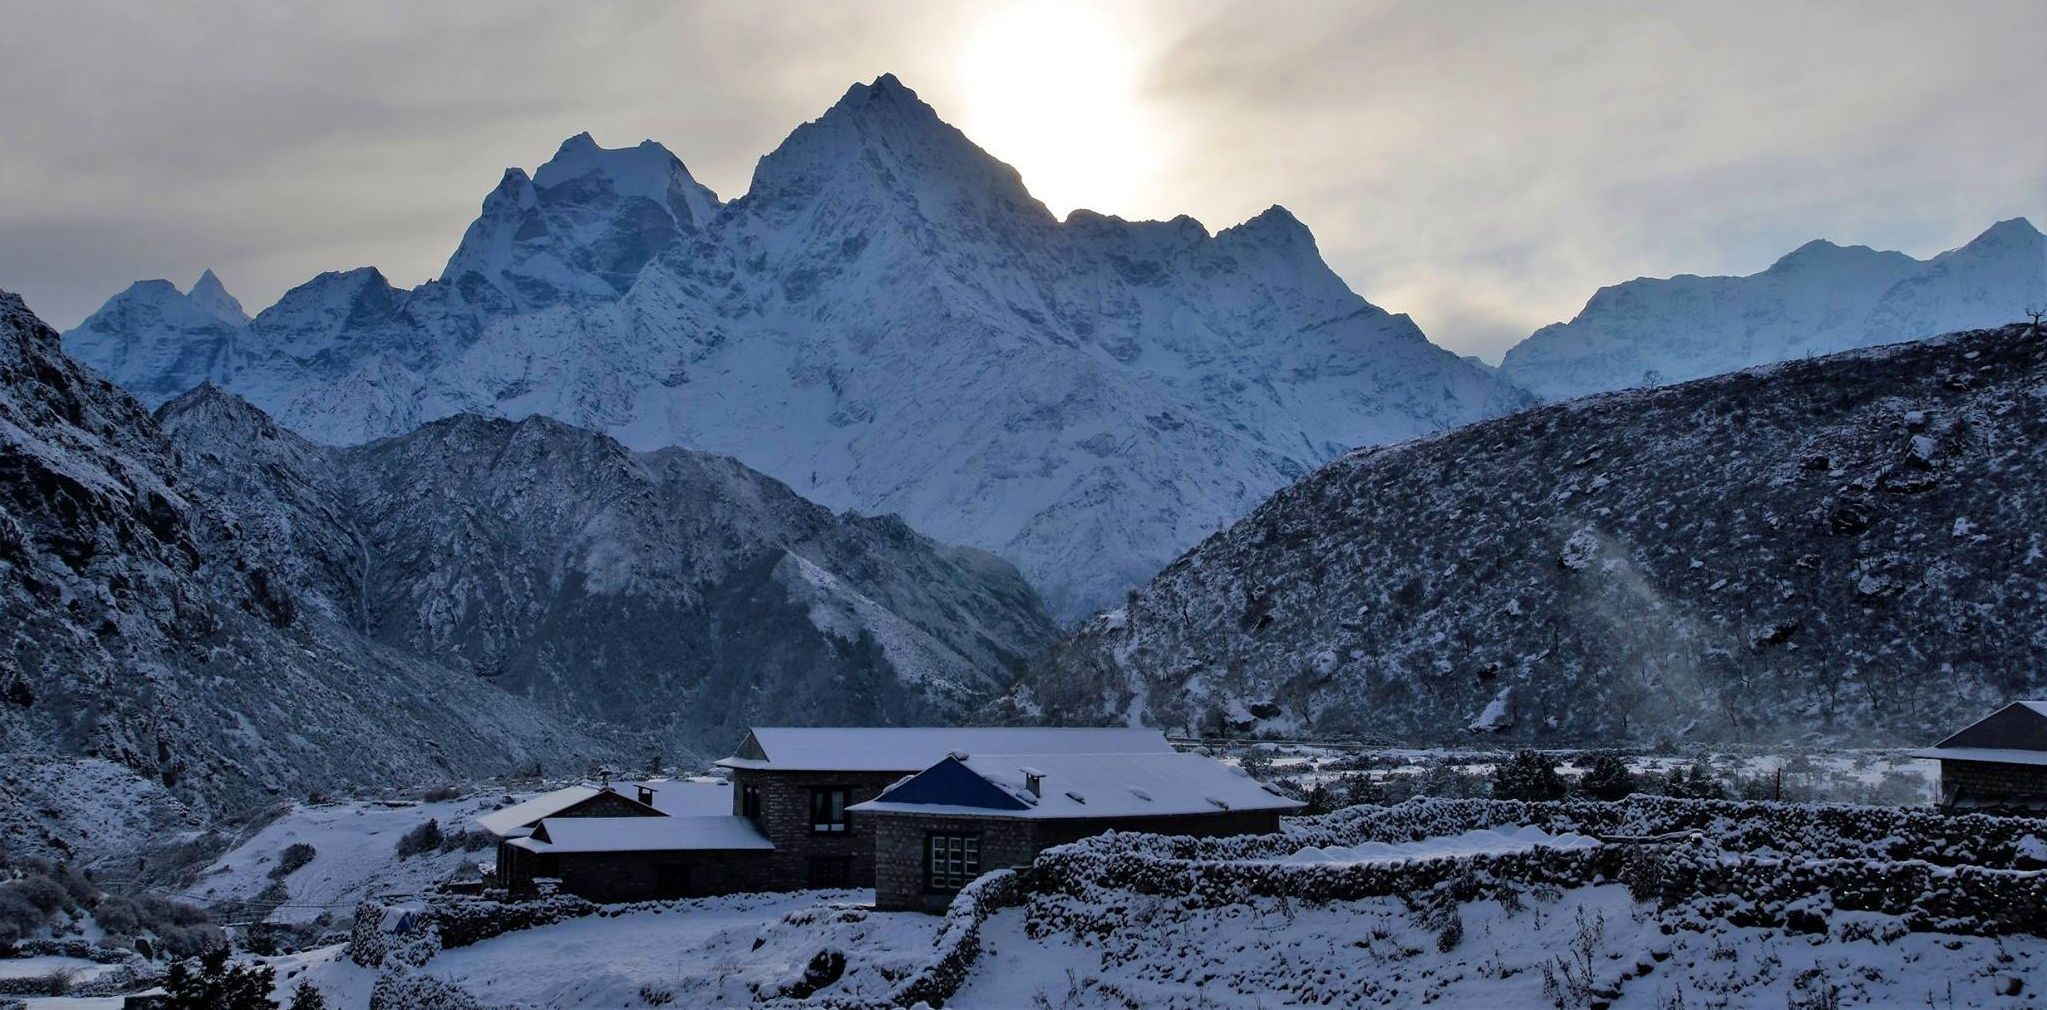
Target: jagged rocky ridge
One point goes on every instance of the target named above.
(675, 593)
(1818, 299)
(1847, 549)
(142, 628)
(886, 321)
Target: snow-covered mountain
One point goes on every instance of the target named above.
(1852, 548)
(886, 320)
(142, 629)
(1818, 299)
(672, 592)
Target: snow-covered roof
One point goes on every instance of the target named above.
(673, 798)
(1081, 786)
(2037, 706)
(688, 797)
(1991, 755)
(914, 748)
(643, 834)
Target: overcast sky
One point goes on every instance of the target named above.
(1481, 166)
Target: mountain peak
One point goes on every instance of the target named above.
(211, 296)
(646, 170)
(2016, 229)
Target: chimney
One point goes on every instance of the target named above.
(1034, 780)
(646, 795)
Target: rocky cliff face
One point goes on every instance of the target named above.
(1852, 548)
(143, 629)
(1819, 299)
(885, 321)
(675, 593)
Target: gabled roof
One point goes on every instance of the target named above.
(907, 749)
(515, 819)
(643, 834)
(1073, 786)
(2021, 725)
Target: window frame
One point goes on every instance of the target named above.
(967, 846)
(820, 803)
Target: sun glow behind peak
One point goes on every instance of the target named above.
(1052, 89)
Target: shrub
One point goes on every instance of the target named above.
(440, 794)
(1607, 777)
(305, 997)
(1527, 776)
(422, 839)
(295, 856)
(219, 985)
(1694, 783)
(59, 981)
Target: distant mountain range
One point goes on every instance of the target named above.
(1851, 549)
(1819, 299)
(886, 321)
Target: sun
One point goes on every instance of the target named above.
(1052, 89)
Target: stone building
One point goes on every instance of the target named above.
(973, 812)
(1997, 762)
(664, 839)
(800, 785)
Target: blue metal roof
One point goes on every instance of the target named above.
(952, 784)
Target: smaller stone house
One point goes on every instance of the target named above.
(632, 842)
(971, 813)
(1996, 762)
(639, 858)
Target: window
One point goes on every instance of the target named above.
(828, 810)
(951, 860)
(831, 871)
(750, 802)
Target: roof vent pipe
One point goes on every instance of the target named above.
(1035, 782)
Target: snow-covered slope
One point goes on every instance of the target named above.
(1853, 547)
(887, 321)
(672, 591)
(1818, 299)
(142, 630)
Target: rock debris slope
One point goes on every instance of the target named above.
(1847, 549)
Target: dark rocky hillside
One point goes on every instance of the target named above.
(1850, 548)
(673, 592)
(141, 629)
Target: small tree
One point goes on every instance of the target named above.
(1608, 778)
(305, 997)
(1527, 776)
(1695, 783)
(219, 985)
(2036, 313)
(425, 838)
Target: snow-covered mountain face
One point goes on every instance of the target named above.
(1848, 549)
(1819, 299)
(674, 593)
(886, 321)
(142, 629)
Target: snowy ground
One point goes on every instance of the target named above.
(354, 855)
(1272, 954)
(728, 951)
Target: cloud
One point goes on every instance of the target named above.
(1482, 166)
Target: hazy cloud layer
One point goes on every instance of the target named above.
(1483, 166)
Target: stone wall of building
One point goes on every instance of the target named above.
(899, 872)
(785, 820)
(1983, 781)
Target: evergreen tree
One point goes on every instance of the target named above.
(305, 997)
(1608, 778)
(1527, 776)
